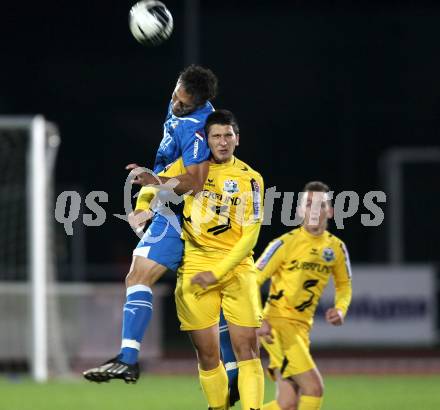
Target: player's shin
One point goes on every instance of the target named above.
(251, 384)
(136, 317)
(215, 387)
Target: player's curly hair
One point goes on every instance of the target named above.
(222, 117)
(199, 82)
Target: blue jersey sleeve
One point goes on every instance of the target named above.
(194, 145)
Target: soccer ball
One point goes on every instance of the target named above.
(151, 23)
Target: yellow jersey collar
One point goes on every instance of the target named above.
(225, 164)
(307, 234)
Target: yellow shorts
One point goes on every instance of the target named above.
(290, 351)
(236, 293)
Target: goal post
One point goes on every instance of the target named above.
(47, 328)
(38, 245)
(25, 200)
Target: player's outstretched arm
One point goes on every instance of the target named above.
(194, 179)
(142, 214)
(191, 182)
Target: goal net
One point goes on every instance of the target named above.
(28, 305)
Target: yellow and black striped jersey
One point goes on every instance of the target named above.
(232, 199)
(299, 265)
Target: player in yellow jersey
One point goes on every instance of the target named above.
(221, 226)
(299, 264)
(138, 219)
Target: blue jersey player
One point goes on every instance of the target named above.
(161, 247)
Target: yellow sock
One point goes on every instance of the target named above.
(273, 405)
(215, 386)
(251, 384)
(309, 403)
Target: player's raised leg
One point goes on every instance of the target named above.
(138, 306)
(212, 373)
(137, 312)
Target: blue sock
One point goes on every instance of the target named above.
(136, 317)
(228, 355)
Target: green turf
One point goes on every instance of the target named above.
(183, 393)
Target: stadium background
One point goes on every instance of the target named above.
(322, 90)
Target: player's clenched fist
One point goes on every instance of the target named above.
(139, 175)
(334, 317)
(138, 218)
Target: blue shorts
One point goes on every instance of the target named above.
(162, 244)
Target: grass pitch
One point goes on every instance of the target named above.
(183, 393)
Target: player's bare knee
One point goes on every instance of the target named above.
(247, 350)
(133, 278)
(138, 276)
(319, 392)
(208, 359)
(287, 404)
(208, 363)
(246, 354)
(314, 389)
(316, 392)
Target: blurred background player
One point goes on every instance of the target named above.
(299, 264)
(183, 137)
(220, 229)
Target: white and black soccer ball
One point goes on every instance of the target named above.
(151, 23)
